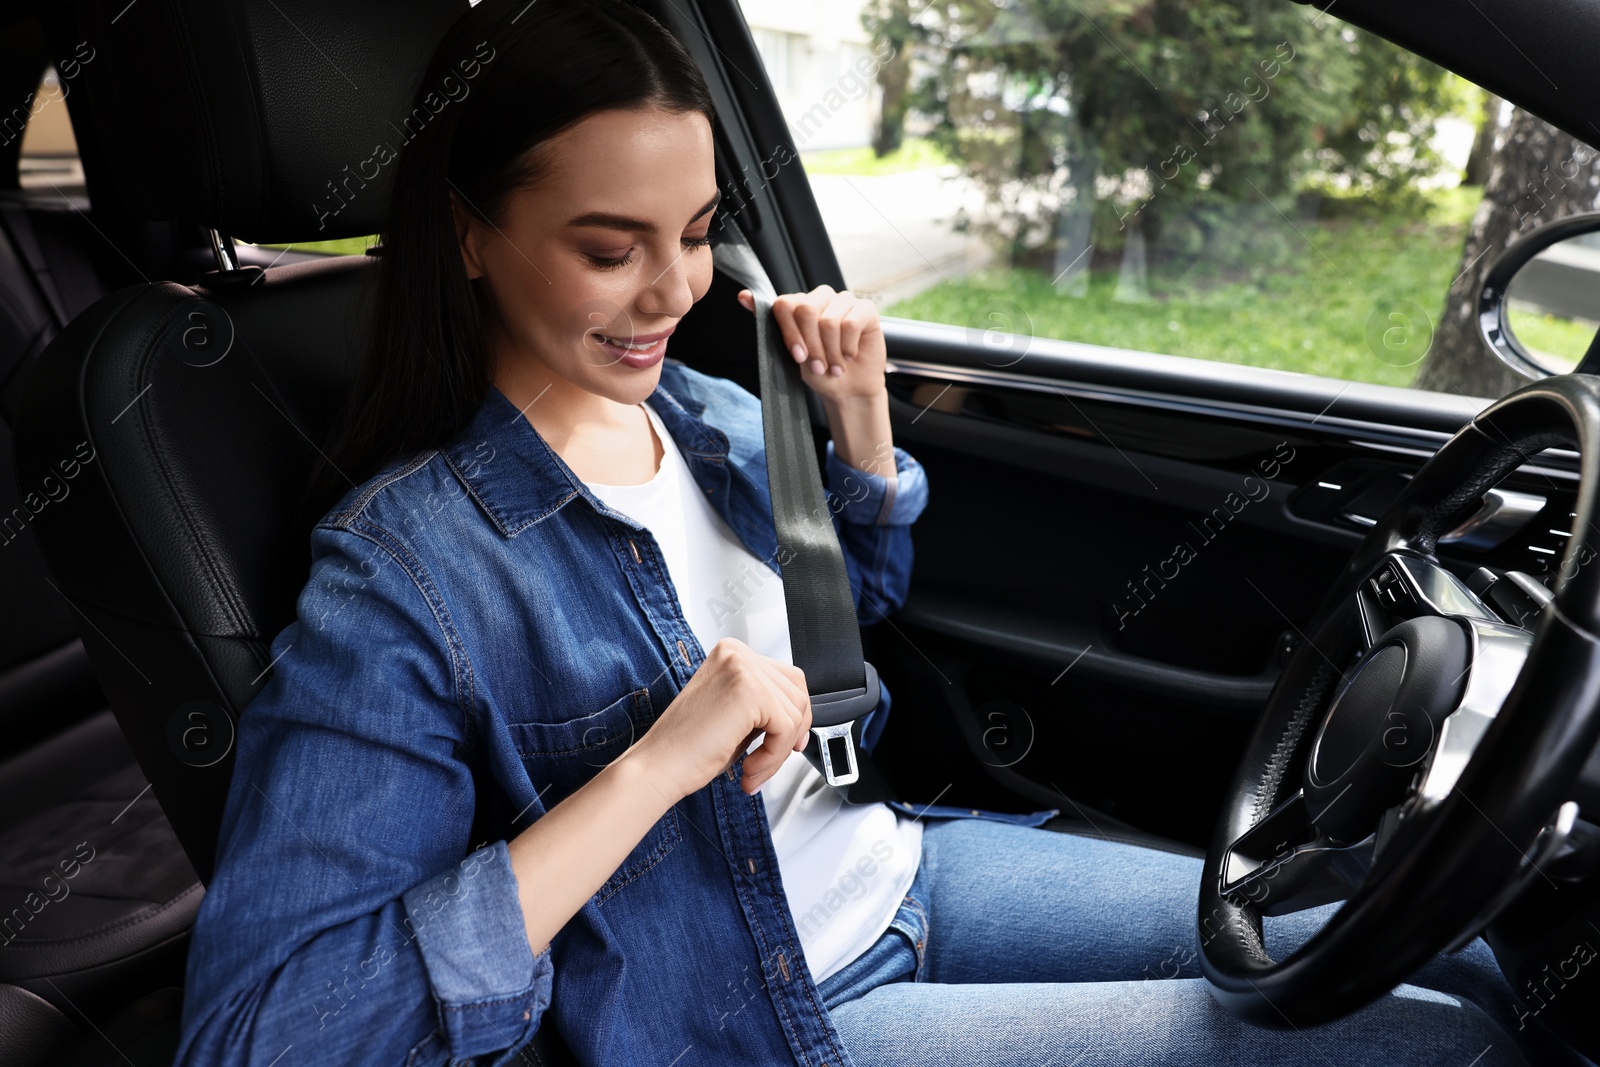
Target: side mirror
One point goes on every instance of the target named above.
(1539, 308)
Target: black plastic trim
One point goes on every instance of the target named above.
(1051, 645)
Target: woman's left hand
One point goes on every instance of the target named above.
(838, 338)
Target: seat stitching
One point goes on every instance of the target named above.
(135, 920)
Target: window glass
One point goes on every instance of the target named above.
(49, 152)
(774, 46)
(49, 156)
(1258, 184)
(817, 56)
(342, 246)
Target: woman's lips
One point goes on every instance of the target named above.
(639, 358)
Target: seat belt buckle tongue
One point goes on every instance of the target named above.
(841, 731)
(833, 717)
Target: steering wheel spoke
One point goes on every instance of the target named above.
(1498, 654)
(1404, 586)
(1285, 863)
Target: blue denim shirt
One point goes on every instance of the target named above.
(480, 634)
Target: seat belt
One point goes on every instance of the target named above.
(824, 636)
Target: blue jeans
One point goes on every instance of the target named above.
(1017, 945)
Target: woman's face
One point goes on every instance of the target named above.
(609, 246)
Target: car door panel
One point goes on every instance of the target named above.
(1048, 573)
(1059, 472)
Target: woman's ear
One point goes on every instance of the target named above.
(466, 237)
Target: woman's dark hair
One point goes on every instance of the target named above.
(507, 75)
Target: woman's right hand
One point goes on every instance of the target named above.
(735, 694)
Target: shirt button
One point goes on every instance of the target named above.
(528, 1014)
(974, 811)
(751, 864)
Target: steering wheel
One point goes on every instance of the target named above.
(1416, 756)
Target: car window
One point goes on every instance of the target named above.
(340, 246)
(1258, 184)
(48, 158)
(49, 151)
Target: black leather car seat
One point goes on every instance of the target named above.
(180, 548)
(72, 797)
(179, 545)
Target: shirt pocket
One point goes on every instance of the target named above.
(561, 756)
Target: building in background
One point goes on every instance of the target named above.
(892, 232)
(815, 52)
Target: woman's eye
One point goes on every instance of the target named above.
(615, 262)
(610, 263)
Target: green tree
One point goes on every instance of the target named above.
(1082, 118)
(1477, 169)
(1536, 174)
(890, 22)
(1380, 143)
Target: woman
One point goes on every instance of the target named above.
(528, 753)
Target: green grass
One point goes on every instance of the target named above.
(915, 153)
(1330, 311)
(1553, 340)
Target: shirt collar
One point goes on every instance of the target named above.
(519, 480)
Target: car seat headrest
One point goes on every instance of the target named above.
(269, 122)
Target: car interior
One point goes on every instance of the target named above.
(165, 384)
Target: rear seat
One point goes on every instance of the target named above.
(96, 895)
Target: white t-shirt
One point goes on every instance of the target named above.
(845, 867)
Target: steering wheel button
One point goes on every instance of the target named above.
(1382, 724)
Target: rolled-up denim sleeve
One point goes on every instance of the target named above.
(872, 498)
(470, 929)
(873, 516)
(350, 919)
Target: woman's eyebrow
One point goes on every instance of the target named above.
(623, 222)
